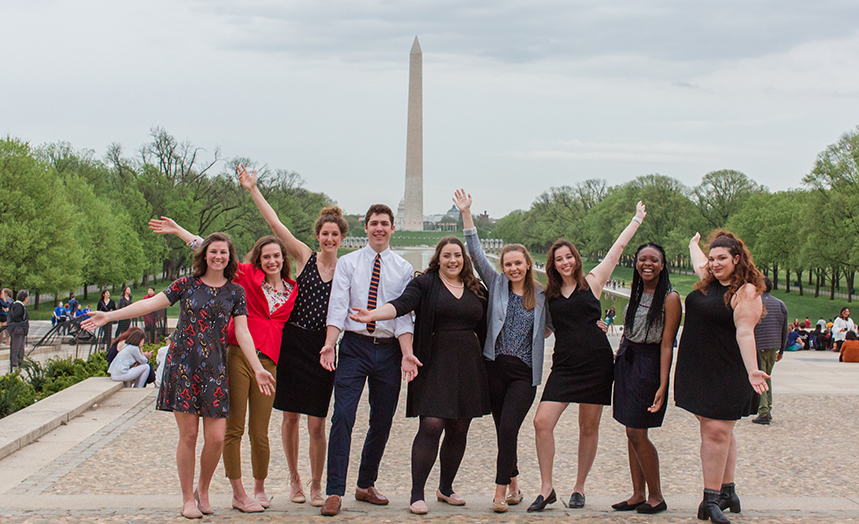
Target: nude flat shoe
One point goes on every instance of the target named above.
(419, 507)
(252, 506)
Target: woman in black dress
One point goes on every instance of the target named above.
(106, 304)
(717, 377)
(582, 362)
(451, 387)
(641, 371)
(125, 300)
(304, 386)
(195, 383)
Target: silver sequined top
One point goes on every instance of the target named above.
(639, 324)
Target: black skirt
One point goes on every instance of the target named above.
(303, 385)
(636, 380)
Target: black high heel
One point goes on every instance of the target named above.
(709, 508)
(728, 498)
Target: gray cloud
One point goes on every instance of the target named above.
(519, 32)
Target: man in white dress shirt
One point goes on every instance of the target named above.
(377, 353)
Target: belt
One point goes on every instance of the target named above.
(373, 340)
(262, 355)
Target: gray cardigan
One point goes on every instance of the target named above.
(498, 285)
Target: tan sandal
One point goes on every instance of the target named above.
(316, 498)
(296, 492)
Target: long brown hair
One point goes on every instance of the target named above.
(745, 271)
(553, 289)
(127, 333)
(199, 265)
(466, 274)
(255, 254)
(529, 299)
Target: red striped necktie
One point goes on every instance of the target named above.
(374, 290)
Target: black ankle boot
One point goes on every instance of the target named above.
(709, 508)
(728, 498)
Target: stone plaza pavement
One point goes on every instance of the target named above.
(115, 463)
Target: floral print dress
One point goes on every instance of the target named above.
(195, 371)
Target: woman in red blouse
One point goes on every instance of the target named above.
(265, 277)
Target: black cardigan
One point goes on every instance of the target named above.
(421, 296)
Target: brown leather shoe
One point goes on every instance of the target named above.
(371, 495)
(331, 506)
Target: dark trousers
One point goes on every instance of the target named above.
(510, 395)
(379, 365)
(16, 349)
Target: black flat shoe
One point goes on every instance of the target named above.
(650, 510)
(577, 500)
(626, 506)
(540, 503)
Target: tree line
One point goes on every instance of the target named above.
(795, 235)
(68, 219)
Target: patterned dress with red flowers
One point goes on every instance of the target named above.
(195, 371)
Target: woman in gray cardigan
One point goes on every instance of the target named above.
(516, 329)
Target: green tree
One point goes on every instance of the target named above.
(723, 193)
(38, 225)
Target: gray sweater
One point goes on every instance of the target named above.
(498, 285)
(771, 331)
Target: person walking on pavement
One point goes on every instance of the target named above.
(770, 339)
(376, 353)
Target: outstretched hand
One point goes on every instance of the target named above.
(758, 380)
(265, 381)
(462, 200)
(362, 315)
(639, 210)
(410, 367)
(165, 226)
(326, 358)
(247, 180)
(96, 319)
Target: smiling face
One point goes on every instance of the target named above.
(217, 255)
(379, 229)
(515, 266)
(271, 259)
(649, 264)
(450, 262)
(721, 263)
(565, 261)
(329, 237)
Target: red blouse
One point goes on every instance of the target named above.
(266, 328)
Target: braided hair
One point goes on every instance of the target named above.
(657, 305)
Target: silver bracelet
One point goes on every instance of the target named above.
(637, 219)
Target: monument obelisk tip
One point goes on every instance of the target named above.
(416, 47)
(413, 210)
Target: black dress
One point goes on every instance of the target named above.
(303, 385)
(710, 379)
(452, 384)
(583, 361)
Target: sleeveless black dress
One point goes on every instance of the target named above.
(583, 361)
(710, 379)
(303, 385)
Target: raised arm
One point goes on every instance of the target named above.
(697, 256)
(462, 200)
(747, 313)
(168, 226)
(600, 274)
(296, 248)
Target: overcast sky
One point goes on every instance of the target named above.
(518, 96)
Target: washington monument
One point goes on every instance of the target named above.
(413, 215)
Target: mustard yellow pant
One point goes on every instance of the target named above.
(246, 398)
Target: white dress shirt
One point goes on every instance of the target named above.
(351, 288)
